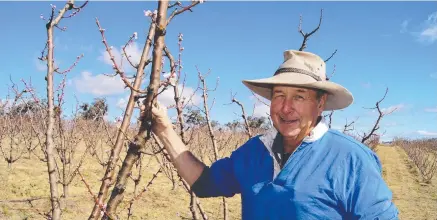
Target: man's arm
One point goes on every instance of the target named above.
(217, 180)
(189, 167)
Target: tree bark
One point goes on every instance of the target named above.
(51, 164)
(213, 138)
(108, 179)
(144, 132)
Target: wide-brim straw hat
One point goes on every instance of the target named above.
(303, 69)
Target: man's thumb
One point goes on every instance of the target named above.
(156, 108)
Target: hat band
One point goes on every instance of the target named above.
(296, 70)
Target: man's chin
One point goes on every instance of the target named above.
(288, 133)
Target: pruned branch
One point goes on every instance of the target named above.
(259, 100)
(108, 179)
(349, 126)
(332, 74)
(380, 116)
(183, 9)
(332, 55)
(307, 35)
(243, 115)
(115, 66)
(71, 67)
(134, 36)
(76, 10)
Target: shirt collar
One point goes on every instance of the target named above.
(273, 139)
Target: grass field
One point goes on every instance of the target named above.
(28, 179)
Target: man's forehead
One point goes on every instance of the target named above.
(290, 88)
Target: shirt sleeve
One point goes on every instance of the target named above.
(363, 191)
(217, 180)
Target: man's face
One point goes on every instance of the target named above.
(294, 110)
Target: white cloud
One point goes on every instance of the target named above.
(366, 85)
(427, 133)
(393, 108)
(166, 98)
(429, 31)
(122, 102)
(40, 66)
(431, 109)
(7, 103)
(98, 84)
(260, 109)
(132, 50)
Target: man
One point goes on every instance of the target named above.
(301, 169)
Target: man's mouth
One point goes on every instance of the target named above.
(288, 121)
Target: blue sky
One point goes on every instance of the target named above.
(380, 44)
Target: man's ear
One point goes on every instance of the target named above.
(322, 102)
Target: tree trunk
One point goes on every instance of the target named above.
(107, 181)
(143, 134)
(51, 164)
(213, 138)
(66, 190)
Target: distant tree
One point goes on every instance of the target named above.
(25, 107)
(234, 125)
(194, 117)
(215, 123)
(258, 122)
(96, 110)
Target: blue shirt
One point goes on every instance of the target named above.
(329, 176)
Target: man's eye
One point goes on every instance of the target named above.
(298, 97)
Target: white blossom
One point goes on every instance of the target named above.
(148, 13)
(135, 35)
(155, 14)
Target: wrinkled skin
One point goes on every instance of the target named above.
(294, 112)
(160, 118)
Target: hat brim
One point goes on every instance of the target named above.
(338, 96)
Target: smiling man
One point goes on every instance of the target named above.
(301, 169)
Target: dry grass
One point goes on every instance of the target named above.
(28, 179)
(414, 199)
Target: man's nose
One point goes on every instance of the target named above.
(288, 106)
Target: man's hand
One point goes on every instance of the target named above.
(188, 166)
(160, 118)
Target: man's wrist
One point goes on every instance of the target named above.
(164, 130)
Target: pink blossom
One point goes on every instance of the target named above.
(53, 6)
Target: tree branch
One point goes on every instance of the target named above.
(307, 35)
